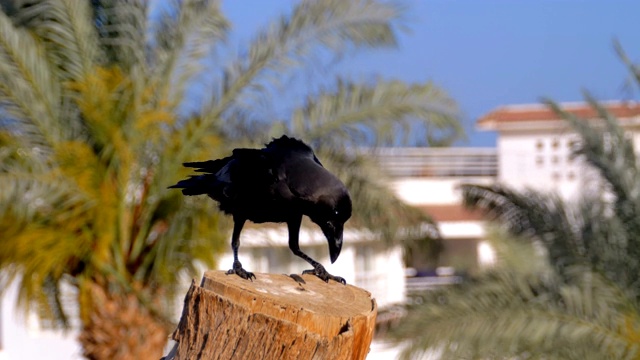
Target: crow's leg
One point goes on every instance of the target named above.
(318, 270)
(235, 245)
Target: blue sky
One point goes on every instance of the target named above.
(487, 53)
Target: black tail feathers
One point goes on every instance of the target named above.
(194, 185)
(209, 166)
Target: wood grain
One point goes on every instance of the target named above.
(274, 317)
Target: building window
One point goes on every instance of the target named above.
(539, 160)
(539, 145)
(555, 176)
(555, 144)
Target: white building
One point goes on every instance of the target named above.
(428, 178)
(534, 145)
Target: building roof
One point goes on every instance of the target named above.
(453, 212)
(513, 114)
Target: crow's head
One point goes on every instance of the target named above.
(330, 212)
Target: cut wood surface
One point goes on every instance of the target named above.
(274, 317)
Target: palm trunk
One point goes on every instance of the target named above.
(119, 327)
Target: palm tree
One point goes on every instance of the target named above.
(585, 302)
(93, 129)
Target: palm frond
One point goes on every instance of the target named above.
(330, 24)
(44, 222)
(195, 229)
(505, 315)
(574, 234)
(532, 215)
(121, 27)
(67, 31)
(185, 34)
(28, 90)
(634, 69)
(386, 113)
(518, 255)
(611, 153)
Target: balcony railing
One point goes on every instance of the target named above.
(418, 284)
(439, 162)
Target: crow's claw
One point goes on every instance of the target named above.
(242, 273)
(320, 272)
(238, 270)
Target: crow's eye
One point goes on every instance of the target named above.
(336, 212)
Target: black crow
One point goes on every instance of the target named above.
(279, 183)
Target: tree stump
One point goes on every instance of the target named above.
(273, 317)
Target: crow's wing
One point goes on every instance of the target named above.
(308, 180)
(251, 167)
(299, 173)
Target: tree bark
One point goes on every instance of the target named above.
(273, 317)
(119, 327)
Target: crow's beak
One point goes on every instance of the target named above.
(334, 249)
(333, 233)
(335, 244)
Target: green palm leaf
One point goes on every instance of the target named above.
(28, 88)
(387, 113)
(504, 315)
(331, 25)
(186, 35)
(65, 29)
